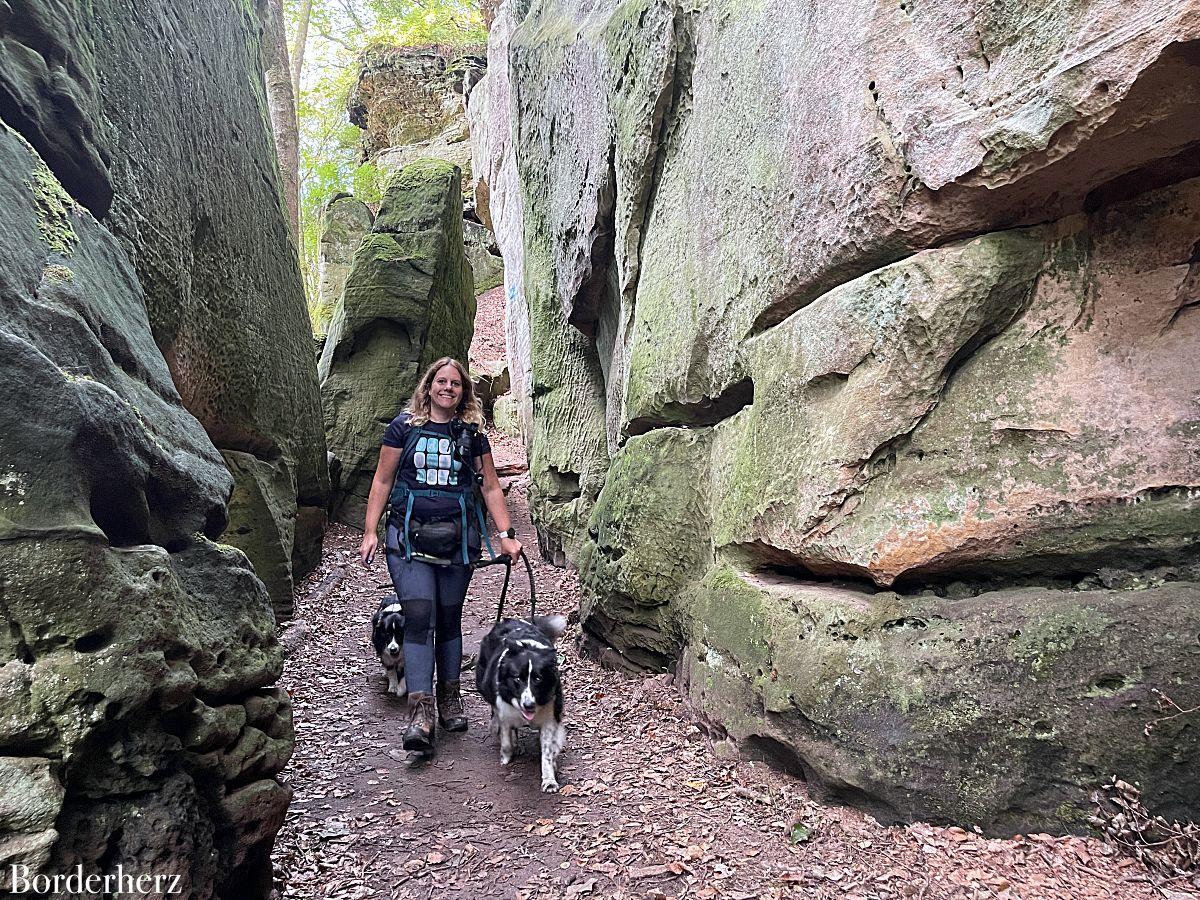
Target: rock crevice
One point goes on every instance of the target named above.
(894, 294)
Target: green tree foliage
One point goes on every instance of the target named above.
(448, 23)
(330, 154)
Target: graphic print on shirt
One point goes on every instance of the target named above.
(434, 463)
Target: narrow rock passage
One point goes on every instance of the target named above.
(648, 808)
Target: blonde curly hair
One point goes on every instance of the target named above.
(470, 410)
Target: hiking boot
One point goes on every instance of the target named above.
(451, 713)
(419, 734)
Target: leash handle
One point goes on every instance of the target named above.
(504, 590)
(506, 560)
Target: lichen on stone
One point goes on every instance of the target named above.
(54, 210)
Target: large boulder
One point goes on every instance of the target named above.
(126, 628)
(1001, 710)
(411, 103)
(407, 302)
(922, 308)
(345, 221)
(152, 115)
(1017, 404)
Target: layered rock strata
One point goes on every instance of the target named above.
(407, 301)
(152, 116)
(917, 315)
(138, 725)
(411, 104)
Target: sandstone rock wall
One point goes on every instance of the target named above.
(407, 302)
(345, 221)
(411, 104)
(152, 115)
(882, 314)
(498, 200)
(138, 726)
(152, 308)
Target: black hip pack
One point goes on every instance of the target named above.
(437, 537)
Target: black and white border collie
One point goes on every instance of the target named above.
(517, 674)
(387, 636)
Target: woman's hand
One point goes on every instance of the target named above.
(381, 486)
(512, 547)
(370, 543)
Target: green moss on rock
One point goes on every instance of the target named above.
(997, 710)
(649, 537)
(407, 301)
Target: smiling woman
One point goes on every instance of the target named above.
(436, 477)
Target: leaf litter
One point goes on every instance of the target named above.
(648, 808)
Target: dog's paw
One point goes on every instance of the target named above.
(549, 787)
(506, 759)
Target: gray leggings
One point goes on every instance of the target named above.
(432, 600)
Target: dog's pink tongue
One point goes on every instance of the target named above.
(528, 716)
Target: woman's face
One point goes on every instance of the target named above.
(447, 389)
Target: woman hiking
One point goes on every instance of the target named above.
(432, 459)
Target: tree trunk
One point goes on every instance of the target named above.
(298, 47)
(281, 100)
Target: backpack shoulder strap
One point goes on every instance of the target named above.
(410, 442)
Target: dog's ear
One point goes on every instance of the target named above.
(551, 626)
(376, 618)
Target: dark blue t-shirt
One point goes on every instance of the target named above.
(431, 463)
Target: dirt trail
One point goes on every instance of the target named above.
(647, 808)
(650, 807)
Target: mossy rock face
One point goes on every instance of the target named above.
(568, 452)
(1002, 710)
(97, 441)
(182, 169)
(308, 539)
(263, 527)
(570, 291)
(568, 455)
(486, 264)
(345, 221)
(762, 201)
(985, 408)
(504, 415)
(125, 627)
(407, 302)
(942, 335)
(648, 539)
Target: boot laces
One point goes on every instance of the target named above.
(451, 701)
(422, 711)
